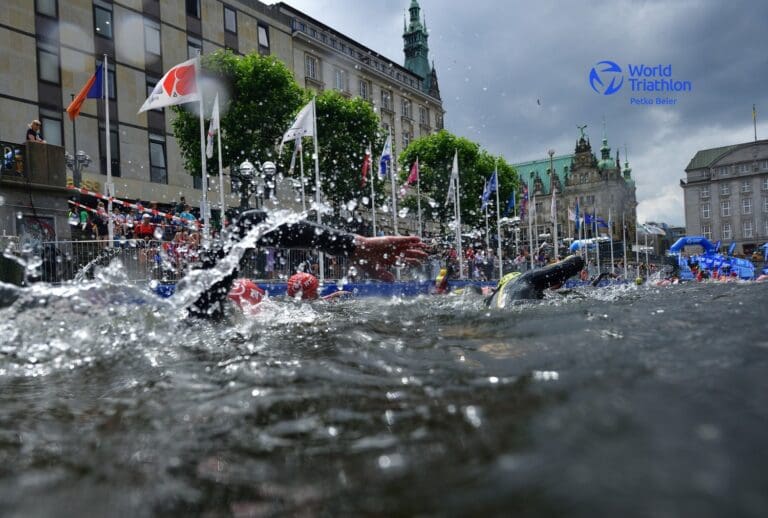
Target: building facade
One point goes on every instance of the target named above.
(725, 195)
(52, 47)
(600, 186)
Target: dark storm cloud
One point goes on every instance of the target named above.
(514, 75)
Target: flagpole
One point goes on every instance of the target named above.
(418, 192)
(610, 233)
(498, 222)
(637, 248)
(392, 172)
(458, 220)
(317, 181)
(221, 168)
(108, 140)
(298, 142)
(554, 224)
(597, 241)
(624, 242)
(530, 228)
(204, 168)
(373, 194)
(487, 237)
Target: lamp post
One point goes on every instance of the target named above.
(552, 178)
(245, 179)
(76, 164)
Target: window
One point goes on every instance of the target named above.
(764, 165)
(439, 121)
(746, 186)
(102, 16)
(340, 79)
(114, 151)
(405, 108)
(194, 47)
(386, 100)
(743, 168)
(230, 20)
(726, 233)
(723, 171)
(746, 228)
(52, 132)
(48, 63)
(193, 8)
(765, 205)
(764, 185)
(705, 192)
(423, 116)
(264, 37)
(725, 190)
(765, 227)
(406, 138)
(152, 37)
(46, 8)
(385, 127)
(310, 67)
(746, 206)
(706, 231)
(158, 171)
(725, 208)
(705, 210)
(365, 89)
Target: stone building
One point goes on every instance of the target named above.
(725, 195)
(599, 185)
(52, 47)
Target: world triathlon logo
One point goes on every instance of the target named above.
(606, 78)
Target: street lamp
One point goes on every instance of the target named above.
(268, 170)
(244, 174)
(76, 164)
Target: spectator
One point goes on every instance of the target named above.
(33, 131)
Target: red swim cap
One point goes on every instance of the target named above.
(245, 291)
(303, 282)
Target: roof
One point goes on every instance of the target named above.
(707, 157)
(559, 163)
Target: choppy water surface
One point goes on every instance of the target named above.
(631, 402)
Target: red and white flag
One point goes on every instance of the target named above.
(177, 86)
(366, 166)
(412, 178)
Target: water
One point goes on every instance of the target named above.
(617, 402)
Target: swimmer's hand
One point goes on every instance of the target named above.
(376, 254)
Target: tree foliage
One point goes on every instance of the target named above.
(345, 127)
(258, 99)
(435, 153)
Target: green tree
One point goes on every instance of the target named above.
(262, 99)
(435, 153)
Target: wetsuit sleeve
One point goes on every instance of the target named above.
(302, 234)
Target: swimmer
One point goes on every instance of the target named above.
(531, 285)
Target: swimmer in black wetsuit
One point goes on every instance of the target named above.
(371, 254)
(531, 285)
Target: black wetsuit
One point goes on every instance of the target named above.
(303, 234)
(531, 285)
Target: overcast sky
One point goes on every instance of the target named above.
(514, 76)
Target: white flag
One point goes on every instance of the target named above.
(385, 161)
(177, 86)
(454, 177)
(213, 127)
(303, 126)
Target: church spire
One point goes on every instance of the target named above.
(416, 48)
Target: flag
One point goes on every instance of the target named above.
(490, 186)
(588, 219)
(454, 177)
(303, 125)
(177, 86)
(571, 214)
(386, 157)
(366, 166)
(578, 219)
(600, 222)
(213, 127)
(553, 207)
(510, 204)
(524, 202)
(414, 176)
(93, 89)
